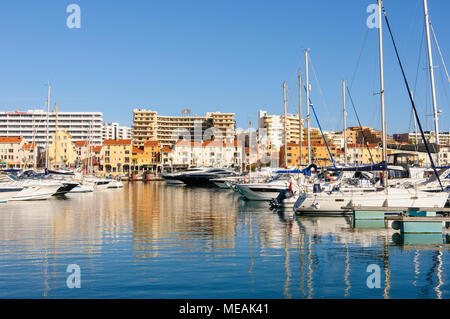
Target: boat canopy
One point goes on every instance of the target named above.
(298, 171)
(366, 168)
(47, 172)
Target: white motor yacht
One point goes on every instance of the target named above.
(171, 178)
(264, 191)
(8, 191)
(83, 187)
(115, 184)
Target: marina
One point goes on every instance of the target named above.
(151, 240)
(308, 202)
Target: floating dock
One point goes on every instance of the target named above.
(409, 220)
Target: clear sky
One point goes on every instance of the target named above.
(211, 55)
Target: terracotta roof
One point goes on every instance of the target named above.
(81, 143)
(237, 143)
(361, 145)
(28, 146)
(166, 149)
(116, 142)
(97, 148)
(208, 143)
(305, 144)
(10, 139)
(137, 150)
(212, 143)
(187, 143)
(151, 143)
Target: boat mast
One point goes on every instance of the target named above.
(383, 115)
(433, 88)
(308, 108)
(345, 122)
(88, 150)
(300, 140)
(285, 125)
(249, 149)
(56, 135)
(33, 141)
(47, 140)
(416, 141)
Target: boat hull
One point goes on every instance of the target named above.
(6, 193)
(82, 188)
(36, 193)
(332, 203)
(197, 180)
(259, 192)
(66, 188)
(115, 184)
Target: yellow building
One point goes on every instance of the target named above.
(117, 156)
(62, 152)
(360, 154)
(146, 157)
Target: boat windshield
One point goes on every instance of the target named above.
(281, 177)
(13, 177)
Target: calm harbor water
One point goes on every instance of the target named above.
(158, 241)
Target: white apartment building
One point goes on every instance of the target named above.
(114, 131)
(272, 126)
(207, 153)
(32, 125)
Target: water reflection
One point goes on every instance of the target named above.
(157, 241)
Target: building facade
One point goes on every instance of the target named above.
(146, 157)
(167, 130)
(412, 138)
(10, 148)
(208, 153)
(273, 127)
(114, 131)
(32, 125)
(62, 151)
(117, 156)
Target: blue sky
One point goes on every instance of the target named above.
(230, 56)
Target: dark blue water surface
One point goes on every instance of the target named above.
(158, 241)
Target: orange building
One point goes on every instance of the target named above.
(319, 154)
(147, 156)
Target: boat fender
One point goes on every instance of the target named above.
(396, 225)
